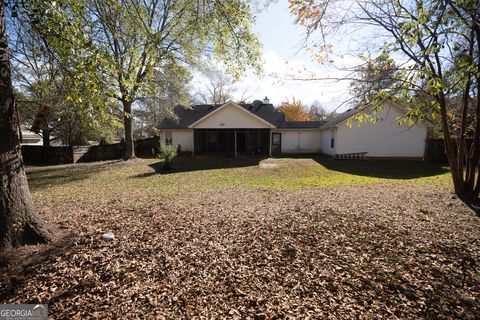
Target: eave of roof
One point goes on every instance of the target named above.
(301, 124)
(351, 112)
(188, 116)
(231, 103)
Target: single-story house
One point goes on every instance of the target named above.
(31, 138)
(260, 129)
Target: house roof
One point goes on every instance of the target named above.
(247, 109)
(364, 108)
(340, 118)
(188, 116)
(267, 112)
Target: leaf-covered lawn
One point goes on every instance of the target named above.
(145, 180)
(283, 238)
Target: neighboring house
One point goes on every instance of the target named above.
(259, 129)
(31, 138)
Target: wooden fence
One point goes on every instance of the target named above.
(435, 151)
(40, 155)
(148, 147)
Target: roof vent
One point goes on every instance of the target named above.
(266, 100)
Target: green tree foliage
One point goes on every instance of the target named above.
(117, 45)
(168, 153)
(438, 44)
(111, 48)
(45, 88)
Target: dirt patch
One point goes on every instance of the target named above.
(344, 252)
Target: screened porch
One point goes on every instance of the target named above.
(232, 141)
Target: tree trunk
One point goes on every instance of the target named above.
(46, 138)
(129, 151)
(19, 223)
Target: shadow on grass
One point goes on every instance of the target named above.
(200, 163)
(19, 265)
(387, 169)
(42, 177)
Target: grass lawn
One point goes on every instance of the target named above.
(249, 239)
(145, 180)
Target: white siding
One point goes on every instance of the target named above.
(385, 138)
(31, 139)
(309, 141)
(325, 141)
(184, 138)
(300, 141)
(231, 116)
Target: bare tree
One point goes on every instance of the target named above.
(217, 89)
(316, 111)
(172, 88)
(437, 43)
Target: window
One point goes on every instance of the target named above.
(168, 138)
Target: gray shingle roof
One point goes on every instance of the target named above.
(187, 116)
(342, 117)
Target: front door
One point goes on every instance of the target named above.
(276, 143)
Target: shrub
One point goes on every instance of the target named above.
(168, 153)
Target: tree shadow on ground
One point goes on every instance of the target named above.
(43, 177)
(20, 264)
(387, 169)
(200, 163)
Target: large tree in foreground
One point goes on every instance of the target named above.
(113, 46)
(437, 43)
(19, 223)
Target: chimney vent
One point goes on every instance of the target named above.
(266, 100)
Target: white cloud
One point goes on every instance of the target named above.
(277, 82)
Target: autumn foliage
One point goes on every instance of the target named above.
(294, 110)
